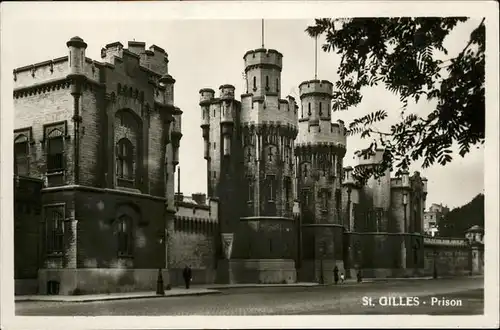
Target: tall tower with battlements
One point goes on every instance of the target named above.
(249, 149)
(319, 151)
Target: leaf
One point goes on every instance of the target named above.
(398, 53)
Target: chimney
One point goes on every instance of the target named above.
(179, 197)
(200, 198)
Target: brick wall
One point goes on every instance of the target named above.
(40, 108)
(193, 243)
(91, 156)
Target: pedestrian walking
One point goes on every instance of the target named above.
(358, 275)
(342, 277)
(336, 274)
(187, 275)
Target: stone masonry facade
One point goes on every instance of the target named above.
(103, 137)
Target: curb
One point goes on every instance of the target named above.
(265, 286)
(107, 298)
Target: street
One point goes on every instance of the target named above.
(456, 296)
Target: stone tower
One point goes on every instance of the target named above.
(320, 149)
(249, 148)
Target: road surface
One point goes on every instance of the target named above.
(457, 296)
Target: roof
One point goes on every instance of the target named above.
(475, 228)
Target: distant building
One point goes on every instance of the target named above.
(433, 217)
(384, 221)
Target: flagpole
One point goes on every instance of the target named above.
(262, 29)
(316, 57)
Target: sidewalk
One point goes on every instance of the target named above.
(175, 292)
(255, 285)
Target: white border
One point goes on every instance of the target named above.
(238, 10)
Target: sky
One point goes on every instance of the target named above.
(209, 53)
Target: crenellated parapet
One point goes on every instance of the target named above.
(195, 225)
(311, 88)
(154, 59)
(370, 158)
(445, 242)
(263, 58)
(323, 132)
(269, 107)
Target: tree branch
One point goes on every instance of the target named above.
(463, 50)
(379, 132)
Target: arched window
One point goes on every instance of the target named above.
(55, 151)
(277, 85)
(320, 109)
(250, 190)
(21, 155)
(267, 83)
(54, 229)
(309, 109)
(125, 159)
(254, 83)
(124, 235)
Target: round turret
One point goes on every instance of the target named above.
(226, 92)
(76, 57)
(317, 87)
(315, 97)
(263, 56)
(263, 72)
(206, 96)
(167, 81)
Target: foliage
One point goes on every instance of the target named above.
(399, 53)
(457, 221)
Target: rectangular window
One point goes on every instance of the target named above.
(288, 189)
(250, 190)
(271, 186)
(305, 206)
(21, 155)
(54, 229)
(124, 236)
(338, 201)
(55, 152)
(325, 201)
(355, 216)
(54, 135)
(379, 212)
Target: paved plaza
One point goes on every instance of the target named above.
(464, 296)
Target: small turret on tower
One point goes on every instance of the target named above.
(227, 117)
(76, 47)
(206, 97)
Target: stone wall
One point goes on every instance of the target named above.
(27, 216)
(194, 241)
(90, 248)
(193, 244)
